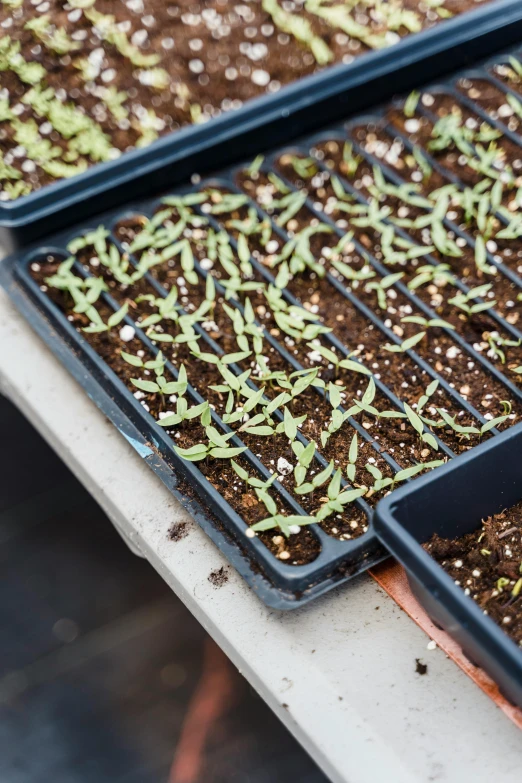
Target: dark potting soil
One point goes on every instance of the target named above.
(218, 578)
(487, 564)
(85, 80)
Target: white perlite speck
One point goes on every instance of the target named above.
(283, 466)
(260, 77)
(196, 66)
(127, 333)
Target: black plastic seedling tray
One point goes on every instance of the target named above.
(264, 122)
(451, 502)
(278, 584)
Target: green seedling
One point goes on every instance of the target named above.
(464, 301)
(337, 498)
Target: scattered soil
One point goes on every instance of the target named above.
(487, 564)
(179, 531)
(420, 668)
(143, 68)
(218, 578)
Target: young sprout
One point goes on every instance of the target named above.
(287, 524)
(380, 482)
(332, 358)
(96, 326)
(260, 487)
(305, 168)
(317, 481)
(353, 453)
(244, 327)
(381, 286)
(164, 388)
(220, 361)
(300, 28)
(440, 275)
(411, 103)
(305, 455)
(298, 253)
(406, 345)
(426, 323)
(350, 159)
(496, 343)
(418, 424)
(217, 446)
(255, 166)
(466, 432)
(463, 300)
(337, 498)
(293, 320)
(402, 475)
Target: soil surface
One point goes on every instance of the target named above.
(487, 564)
(85, 80)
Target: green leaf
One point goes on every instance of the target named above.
(428, 438)
(349, 364)
(241, 472)
(267, 499)
(266, 524)
(118, 316)
(232, 358)
(373, 470)
(414, 419)
(222, 453)
(493, 423)
(411, 341)
(146, 386)
(334, 486)
(130, 359)
(199, 448)
(349, 495)
(353, 451)
(323, 476)
(170, 421)
(290, 427)
(216, 437)
(263, 430)
(159, 337)
(369, 394)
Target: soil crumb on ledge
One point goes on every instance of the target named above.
(218, 578)
(178, 531)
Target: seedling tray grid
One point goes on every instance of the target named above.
(278, 584)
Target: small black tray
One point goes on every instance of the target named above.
(264, 122)
(451, 502)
